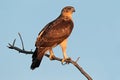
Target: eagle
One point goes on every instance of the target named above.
(53, 34)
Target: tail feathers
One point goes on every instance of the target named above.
(35, 64)
(34, 56)
(36, 59)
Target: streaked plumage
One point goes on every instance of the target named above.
(53, 34)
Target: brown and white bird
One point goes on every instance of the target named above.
(53, 34)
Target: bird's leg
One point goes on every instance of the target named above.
(51, 57)
(64, 46)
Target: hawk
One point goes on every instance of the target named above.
(53, 34)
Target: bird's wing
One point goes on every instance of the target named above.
(54, 33)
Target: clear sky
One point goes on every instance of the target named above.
(95, 39)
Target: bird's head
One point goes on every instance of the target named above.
(67, 11)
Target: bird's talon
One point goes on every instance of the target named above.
(65, 61)
(51, 57)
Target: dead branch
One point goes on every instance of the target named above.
(12, 46)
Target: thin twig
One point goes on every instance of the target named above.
(21, 40)
(77, 59)
(14, 42)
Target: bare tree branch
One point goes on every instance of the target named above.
(12, 46)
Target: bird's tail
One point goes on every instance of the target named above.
(37, 58)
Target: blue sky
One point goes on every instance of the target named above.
(95, 39)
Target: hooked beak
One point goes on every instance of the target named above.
(73, 9)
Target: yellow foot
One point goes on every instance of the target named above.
(66, 60)
(51, 57)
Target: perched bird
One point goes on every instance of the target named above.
(53, 34)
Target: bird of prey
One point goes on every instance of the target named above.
(53, 34)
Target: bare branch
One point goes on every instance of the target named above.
(19, 49)
(12, 46)
(80, 69)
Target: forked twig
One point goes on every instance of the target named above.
(12, 46)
